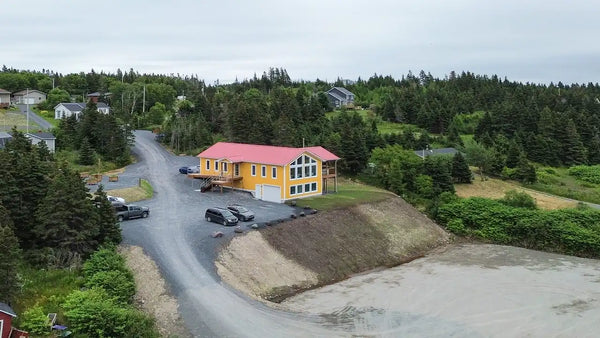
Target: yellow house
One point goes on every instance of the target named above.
(271, 173)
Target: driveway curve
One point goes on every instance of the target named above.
(178, 238)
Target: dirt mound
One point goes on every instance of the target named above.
(321, 249)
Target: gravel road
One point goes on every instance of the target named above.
(178, 238)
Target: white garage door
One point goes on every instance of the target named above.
(271, 193)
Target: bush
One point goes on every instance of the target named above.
(93, 313)
(519, 199)
(35, 321)
(457, 227)
(119, 285)
(590, 174)
(105, 259)
(569, 231)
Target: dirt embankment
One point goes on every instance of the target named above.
(275, 263)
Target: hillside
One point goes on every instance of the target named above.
(277, 262)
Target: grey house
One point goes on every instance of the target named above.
(4, 138)
(47, 138)
(63, 110)
(30, 96)
(339, 97)
(434, 152)
(4, 98)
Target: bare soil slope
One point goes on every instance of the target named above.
(321, 249)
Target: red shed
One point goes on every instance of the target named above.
(6, 330)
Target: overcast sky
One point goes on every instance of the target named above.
(528, 41)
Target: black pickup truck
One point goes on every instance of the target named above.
(128, 211)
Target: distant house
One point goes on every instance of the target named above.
(30, 96)
(4, 98)
(47, 138)
(93, 97)
(4, 139)
(6, 329)
(63, 110)
(434, 152)
(340, 96)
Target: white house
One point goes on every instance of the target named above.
(30, 96)
(63, 110)
(4, 98)
(47, 138)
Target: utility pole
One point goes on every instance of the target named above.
(144, 100)
(27, 107)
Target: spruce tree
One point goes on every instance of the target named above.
(513, 154)
(438, 167)
(526, 171)
(86, 154)
(108, 227)
(66, 219)
(10, 254)
(573, 151)
(461, 173)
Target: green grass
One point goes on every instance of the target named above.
(558, 182)
(147, 187)
(384, 127)
(9, 118)
(349, 193)
(48, 116)
(47, 288)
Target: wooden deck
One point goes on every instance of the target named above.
(216, 179)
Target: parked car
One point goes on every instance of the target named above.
(129, 211)
(189, 170)
(242, 213)
(115, 199)
(221, 216)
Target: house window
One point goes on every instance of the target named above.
(253, 170)
(303, 166)
(216, 165)
(263, 171)
(299, 188)
(293, 190)
(274, 172)
(307, 187)
(236, 169)
(224, 166)
(313, 186)
(207, 164)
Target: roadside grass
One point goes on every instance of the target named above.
(557, 181)
(9, 119)
(134, 194)
(349, 193)
(47, 288)
(496, 188)
(48, 116)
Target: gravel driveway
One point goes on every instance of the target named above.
(178, 238)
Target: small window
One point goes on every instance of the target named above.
(263, 171)
(224, 165)
(207, 164)
(313, 186)
(313, 170)
(306, 171)
(299, 160)
(216, 165)
(299, 172)
(307, 187)
(299, 189)
(293, 190)
(292, 173)
(253, 170)
(274, 172)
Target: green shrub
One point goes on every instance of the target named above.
(456, 226)
(590, 174)
(519, 199)
(35, 321)
(105, 259)
(94, 314)
(545, 178)
(119, 285)
(569, 231)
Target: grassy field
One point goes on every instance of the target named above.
(384, 127)
(349, 193)
(48, 116)
(557, 181)
(495, 188)
(9, 118)
(134, 194)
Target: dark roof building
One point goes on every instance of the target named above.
(434, 152)
(4, 139)
(340, 96)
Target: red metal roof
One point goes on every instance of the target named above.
(254, 153)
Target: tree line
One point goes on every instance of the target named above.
(47, 215)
